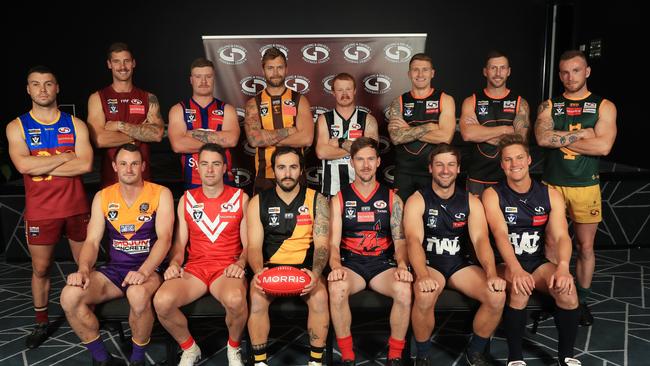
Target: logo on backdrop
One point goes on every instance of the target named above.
(315, 53)
(377, 83)
(281, 47)
(232, 54)
(241, 114)
(317, 111)
(327, 83)
(398, 52)
(242, 177)
(251, 85)
(357, 53)
(313, 175)
(297, 83)
(389, 174)
(249, 150)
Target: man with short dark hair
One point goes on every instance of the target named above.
(337, 129)
(288, 225)
(52, 150)
(277, 116)
(524, 216)
(418, 120)
(122, 113)
(202, 119)
(139, 218)
(577, 128)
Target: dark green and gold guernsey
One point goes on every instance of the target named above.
(288, 229)
(562, 166)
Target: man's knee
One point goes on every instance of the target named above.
(235, 301)
(566, 301)
(71, 297)
(318, 301)
(41, 269)
(164, 302)
(495, 301)
(339, 292)
(139, 299)
(402, 293)
(425, 301)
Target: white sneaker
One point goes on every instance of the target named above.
(234, 356)
(260, 364)
(572, 362)
(190, 356)
(516, 363)
(314, 363)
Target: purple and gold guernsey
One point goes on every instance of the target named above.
(208, 118)
(366, 221)
(131, 230)
(47, 196)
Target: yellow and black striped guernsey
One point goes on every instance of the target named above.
(276, 112)
(288, 237)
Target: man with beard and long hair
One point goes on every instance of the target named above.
(577, 128)
(288, 225)
(488, 115)
(368, 250)
(442, 222)
(122, 113)
(337, 129)
(277, 116)
(202, 119)
(52, 150)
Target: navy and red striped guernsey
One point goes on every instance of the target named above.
(366, 220)
(210, 118)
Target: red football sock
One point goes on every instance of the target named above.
(41, 315)
(187, 344)
(233, 343)
(346, 348)
(395, 348)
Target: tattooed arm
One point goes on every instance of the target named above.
(521, 123)
(397, 232)
(321, 234)
(548, 137)
(97, 125)
(605, 131)
(258, 137)
(471, 129)
(304, 135)
(444, 130)
(151, 130)
(400, 132)
(229, 134)
(372, 128)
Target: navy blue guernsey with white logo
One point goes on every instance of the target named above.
(445, 224)
(526, 215)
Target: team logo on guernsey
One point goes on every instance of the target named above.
(398, 52)
(315, 53)
(526, 242)
(211, 228)
(144, 218)
(64, 129)
(191, 114)
(589, 107)
(350, 213)
(242, 177)
(251, 85)
(136, 101)
(432, 221)
(302, 210)
(377, 83)
(144, 207)
(34, 230)
(381, 204)
(264, 109)
(511, 219)
(482, 111)
(451, 246)
(297, 83)
(559, 108)
(327, 83)
(280, 47)
(274, 220)
(217, 112)
(112, 105)
(35, 140)
(232, 54)
(432, 107)
(112, 215)
(509, 106)
(317, 111)
(356, 53)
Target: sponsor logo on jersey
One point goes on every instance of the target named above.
(589, 107)
(64, 129)
(303, 220)
(433, 211)
(350, 203)
(509, 106)
(398, 52)
(65, 138)
(34, 230)
(288, 215)
(144, 218)
(289, 108)
(132, 246)
(274, 210)
(315, 53)
(539, 220)
(559, 108)
(217, 112)
(432, 221)
(304, 209)
(432, 106)
(113, 206)
(574, 109)
(511, 209)
(381, 204)
(366, 216)
(264, 109)
(232, 54)
(127, 228)
(357, 53)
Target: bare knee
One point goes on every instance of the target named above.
(425, 301)
(339, 292)
(402, 294)
(518, 301)
(164, 302)
(318, 301)
(566, 301)
(235, 301)
(71, 298)
(495, 301)
(41, 270)
(139, 299)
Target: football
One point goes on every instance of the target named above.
(284, 281)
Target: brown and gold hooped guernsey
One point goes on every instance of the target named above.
(275, 112)
(288, 237)
(564, 167)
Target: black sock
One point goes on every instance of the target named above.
(477, 344)
(259, 353)
(514, 322)
(316, 353)
(566, 322)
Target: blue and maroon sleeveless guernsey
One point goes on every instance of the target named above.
(208, 118)
(47, 196)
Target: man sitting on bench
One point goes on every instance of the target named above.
(522, 213)
(139, 217)
(212, 217)
(439, 222)
(368, 249)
